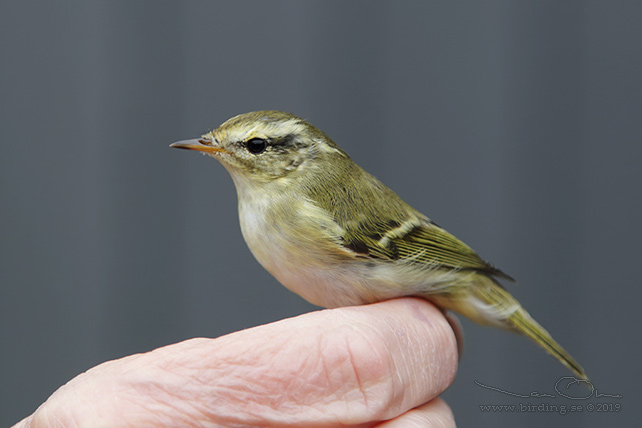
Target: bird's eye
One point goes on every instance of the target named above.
(256, 145)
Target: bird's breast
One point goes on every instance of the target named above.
(297, 243)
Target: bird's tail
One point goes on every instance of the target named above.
(526, 325)
(488, 303)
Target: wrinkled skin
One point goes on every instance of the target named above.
(354, 366)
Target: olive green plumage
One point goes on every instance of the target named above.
(336, 235)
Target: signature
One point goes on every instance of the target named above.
(561, 388)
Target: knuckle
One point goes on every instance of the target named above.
(359, 369)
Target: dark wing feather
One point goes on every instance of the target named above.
(424, 243)
(432, 244)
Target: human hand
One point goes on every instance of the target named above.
(355, 366)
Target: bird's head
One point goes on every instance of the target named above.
(263, 146)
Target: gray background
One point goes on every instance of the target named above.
(515, 125)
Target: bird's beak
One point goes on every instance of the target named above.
(200, 145)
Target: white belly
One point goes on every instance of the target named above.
(293, 254)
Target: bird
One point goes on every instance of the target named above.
(337, 236)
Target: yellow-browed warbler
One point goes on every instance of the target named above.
(334, 234)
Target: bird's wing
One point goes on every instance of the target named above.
(377, 223)
(416, 241)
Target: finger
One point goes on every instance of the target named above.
(343, 366)
(347, 366)
(459, 332)
(434, 414)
